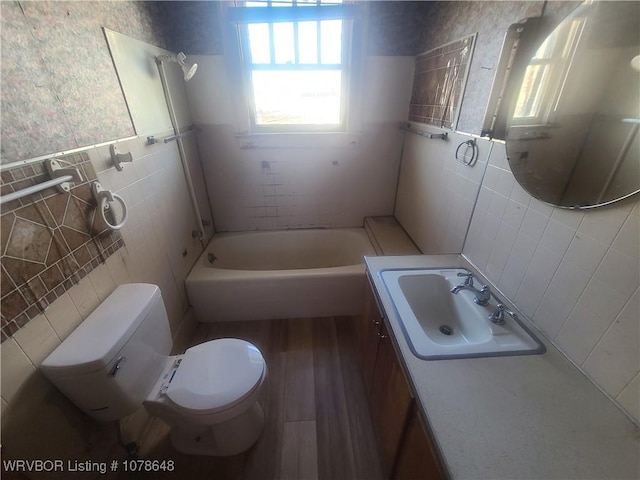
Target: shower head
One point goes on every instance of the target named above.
(188, 70)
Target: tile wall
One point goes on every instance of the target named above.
(49, 241)
(52, 52)
(575, 274)
(37, 421)
(327, 183)
(436, 192)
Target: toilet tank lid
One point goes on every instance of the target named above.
(98, 339)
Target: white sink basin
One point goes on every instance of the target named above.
(439, 324)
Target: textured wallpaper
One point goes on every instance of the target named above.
(449, 21)
(192, 27)
(59, 87)
(394, 27)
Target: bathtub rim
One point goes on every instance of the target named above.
(200, 271)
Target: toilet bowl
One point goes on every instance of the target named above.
(118, 359)
(209, 396)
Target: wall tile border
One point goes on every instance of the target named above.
(49, 241)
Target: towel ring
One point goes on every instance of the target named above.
(104, 197)
(462, 156)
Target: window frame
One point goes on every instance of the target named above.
(345, 67)
(557, 65)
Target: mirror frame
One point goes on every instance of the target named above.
(520, 43)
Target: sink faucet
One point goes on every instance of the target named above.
(482, 296)
(497, 317)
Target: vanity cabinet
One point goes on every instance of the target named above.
(369, 331)
(405, 448)
(390, 402)
(417, 457)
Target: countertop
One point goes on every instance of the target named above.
(533, 416)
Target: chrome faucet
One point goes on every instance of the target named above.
(482, 296)
(497, 317)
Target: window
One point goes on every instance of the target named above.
(544, 77)
(295, 58)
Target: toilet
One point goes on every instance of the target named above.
(118, 359)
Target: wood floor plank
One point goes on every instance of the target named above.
(263, 460)
(335, 445)
(201, 334)
(299, 455)
(299, 382)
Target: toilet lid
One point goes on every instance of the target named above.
(216, 375)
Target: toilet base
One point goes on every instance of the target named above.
(223, 439)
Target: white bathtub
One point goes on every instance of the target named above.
(281, 274)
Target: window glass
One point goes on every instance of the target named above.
(259, 42)
(308, 42)
(331, 41)
(530, 98)
(297, 97)
(283, 42)
(295, 69)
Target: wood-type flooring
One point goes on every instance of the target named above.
(317, 421)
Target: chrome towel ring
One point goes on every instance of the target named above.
(463, 155)
(104, 198)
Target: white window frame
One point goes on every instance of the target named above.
(247, 67)
(558, 65)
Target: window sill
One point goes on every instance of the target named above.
(248, 141)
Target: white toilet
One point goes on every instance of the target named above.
(118, 359)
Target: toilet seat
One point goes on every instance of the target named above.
(216, 376)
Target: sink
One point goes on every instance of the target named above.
(440, 325)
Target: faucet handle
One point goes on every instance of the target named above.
(468, 280)
(497, 317)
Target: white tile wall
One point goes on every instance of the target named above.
(436, 193)
(280, 188)
(575, 274)
(630, 397)
(37, 339)
(63, 314)
(292, 185)
(156, 235)
(84, 297)
(16, 370)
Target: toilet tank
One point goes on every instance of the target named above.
(108, 364)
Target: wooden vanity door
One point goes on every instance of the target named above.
(390, 402)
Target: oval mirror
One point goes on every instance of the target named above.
(572, 129)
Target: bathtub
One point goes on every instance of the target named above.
(280, 274)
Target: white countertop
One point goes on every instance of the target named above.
(532, 416)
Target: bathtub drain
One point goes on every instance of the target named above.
(446, 329)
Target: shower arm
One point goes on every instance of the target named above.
(200, 232)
